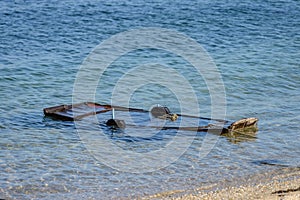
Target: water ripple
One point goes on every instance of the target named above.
(254, 44)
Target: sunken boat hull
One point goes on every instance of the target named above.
(245, 126)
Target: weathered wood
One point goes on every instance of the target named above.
(76, 111)
(246, 126)
(242, 123)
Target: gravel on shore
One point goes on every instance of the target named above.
(285, 186)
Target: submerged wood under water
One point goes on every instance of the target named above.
(246, 126)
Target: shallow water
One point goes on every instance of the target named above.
(255, 46)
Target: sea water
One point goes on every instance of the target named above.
(254, 44)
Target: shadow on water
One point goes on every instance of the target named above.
(56, 123)
(238, 137)
(274, 162)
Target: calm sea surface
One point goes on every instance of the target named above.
(255, 45)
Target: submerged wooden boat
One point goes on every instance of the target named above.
(246, 126)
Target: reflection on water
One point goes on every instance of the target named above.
(241, 138)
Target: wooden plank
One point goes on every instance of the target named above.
(246, 126)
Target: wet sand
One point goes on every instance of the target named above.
(280, 184)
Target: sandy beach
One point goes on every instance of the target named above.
(283, 184)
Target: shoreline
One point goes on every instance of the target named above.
(280, 184)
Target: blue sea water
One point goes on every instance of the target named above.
(255, 45)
